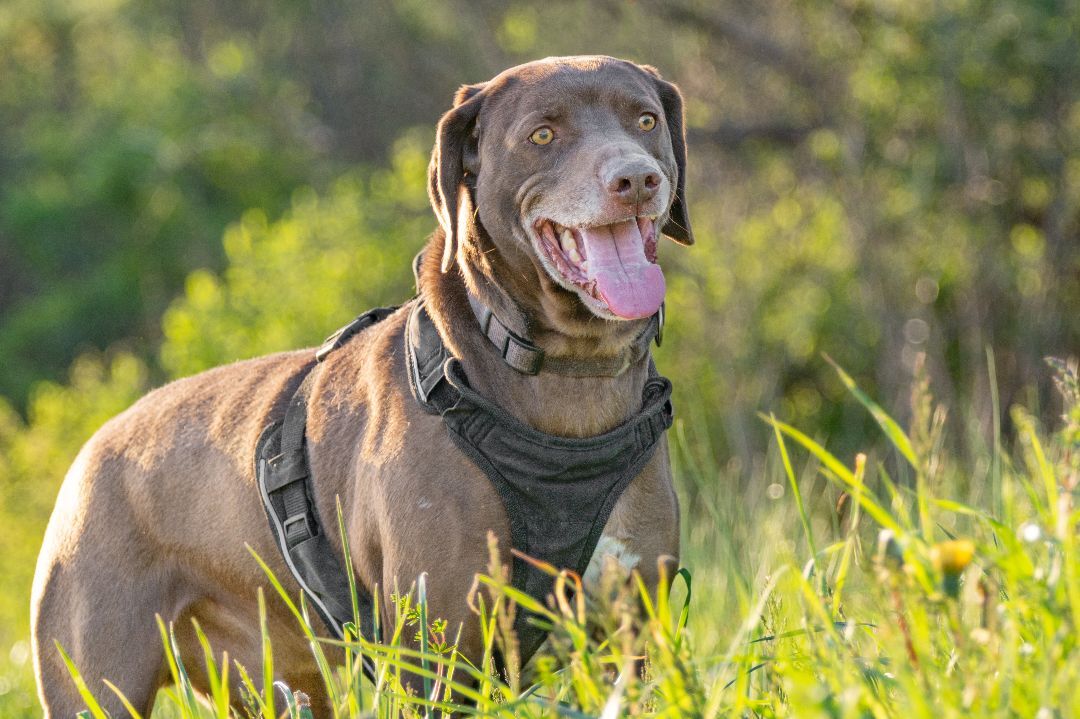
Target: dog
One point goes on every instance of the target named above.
(552, 184)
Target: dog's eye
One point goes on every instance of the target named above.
(647, 121)
(542, 135)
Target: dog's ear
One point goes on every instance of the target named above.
(678, 223)
(456, 155)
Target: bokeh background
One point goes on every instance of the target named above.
(184, 184)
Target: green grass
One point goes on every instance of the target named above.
(913, 584)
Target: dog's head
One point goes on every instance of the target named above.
(571, 166)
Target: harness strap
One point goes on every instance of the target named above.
(283, 473)
(343, 335)
(426, 355)
(524, 356)
(290, 478)
(284, 480)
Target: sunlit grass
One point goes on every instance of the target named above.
(872, 591)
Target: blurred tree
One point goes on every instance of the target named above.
(121, 159)
(870, 179)
(292, 281)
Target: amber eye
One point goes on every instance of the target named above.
(647, 121)
(542, 135)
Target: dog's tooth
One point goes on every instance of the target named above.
(569, 244)
(584, 266)
(548, 232)
(574, 256)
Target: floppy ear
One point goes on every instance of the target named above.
(678, 223)
(453, 156)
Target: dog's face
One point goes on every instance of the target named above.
(575, 166)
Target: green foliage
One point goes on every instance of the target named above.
(124, 156)
(868, 179)
(873, 180)
(290, 282)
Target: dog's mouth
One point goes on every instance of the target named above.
(612, 265)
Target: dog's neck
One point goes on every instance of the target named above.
(553, 403)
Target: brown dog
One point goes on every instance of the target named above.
(551, 183)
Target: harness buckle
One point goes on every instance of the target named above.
(338, 338)
(521, 354)
(302, 526)
(485, 320)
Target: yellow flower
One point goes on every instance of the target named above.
(952, 557)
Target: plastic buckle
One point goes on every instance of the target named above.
(536, 355)
(537, 361)
(485, 321)
(339, 338)
(291, 522)
(332, 342)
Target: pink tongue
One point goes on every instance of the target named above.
(632, 286)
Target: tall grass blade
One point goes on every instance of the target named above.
(84, 691)
(267, 657)
(795, 491)
(421, 599)
(888, 425)
(684, 612)
(355, 698)
(128, 706)
(219, 681)
(189, 704)
(999, 502)
(839, 472)
(849, 543)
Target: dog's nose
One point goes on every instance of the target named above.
(634, 182)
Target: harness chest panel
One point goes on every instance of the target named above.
(558, 492)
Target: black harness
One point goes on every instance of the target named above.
(558, 492)
(283, 473)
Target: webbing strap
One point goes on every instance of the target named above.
(283, 473)
(292, 469)
(524, 356)
(344, 334)
(284, 479)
